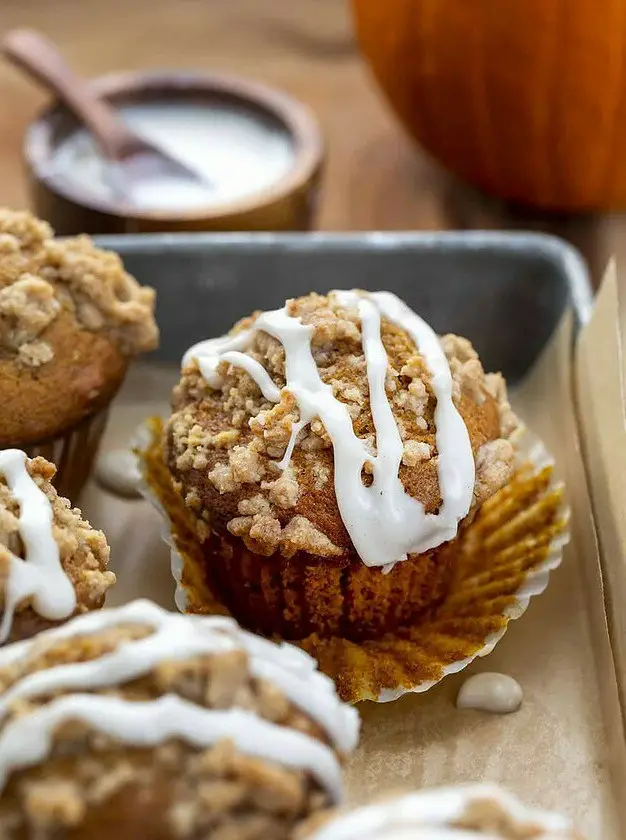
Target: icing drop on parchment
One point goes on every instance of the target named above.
(385, 524)
(432, 814)
(490, 692)
(118, 472)
(174, 637)
(40, 575)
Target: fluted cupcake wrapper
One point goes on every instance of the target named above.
(191, 595)
(501, 560)
(73, 453)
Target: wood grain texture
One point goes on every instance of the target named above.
(376, 178)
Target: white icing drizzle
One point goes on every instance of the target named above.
(209, 354)
(256, 371)
(490, 692)
(40, 576)
(177, 637)
(430, 815)
(174, 637)
(385, 523)
(28, 740)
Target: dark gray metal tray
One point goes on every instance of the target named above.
(504, 291)
(508, 293)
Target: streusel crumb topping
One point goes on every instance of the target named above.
(218, 791)
(236, 438)
(489, 817)
(84, 552)
(482, 817)
(41, 276)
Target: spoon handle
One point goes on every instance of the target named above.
(40, 59)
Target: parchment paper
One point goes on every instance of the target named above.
(563, 748)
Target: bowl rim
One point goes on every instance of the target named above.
(297, 118)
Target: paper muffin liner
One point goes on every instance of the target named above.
(73, 453)
(501, 560)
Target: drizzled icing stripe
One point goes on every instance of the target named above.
(431, 814)
(385, 524)
(27, 740)
(40, 576)
(177, 637)
(256, 371)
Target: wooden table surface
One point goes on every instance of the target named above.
(376, 178)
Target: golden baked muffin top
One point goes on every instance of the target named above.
(70, 317)
(53, 564)
(226, 437)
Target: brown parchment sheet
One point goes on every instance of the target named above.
(563, 748)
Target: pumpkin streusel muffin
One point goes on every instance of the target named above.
(466, 812)
(71, 319)
(53, 564)
(139, 723)
(323, 469)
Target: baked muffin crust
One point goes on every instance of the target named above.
(224, 444)
(70, 318)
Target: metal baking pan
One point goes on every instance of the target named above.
(508, 293)
(504, 291)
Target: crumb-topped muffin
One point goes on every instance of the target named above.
(136, 722)
(313, 514)
(456, 813)
(71, 318)
(53, 564)
(330, 471)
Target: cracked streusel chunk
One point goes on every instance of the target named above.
(155, 724)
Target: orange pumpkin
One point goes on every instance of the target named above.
(523, 98)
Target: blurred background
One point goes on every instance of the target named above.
(377, 176)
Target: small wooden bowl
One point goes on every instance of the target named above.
(289, 204)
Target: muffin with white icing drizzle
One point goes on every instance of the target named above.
(321, 468)
(135, 722)
(71, 320)
(53, 564)
(466, 812)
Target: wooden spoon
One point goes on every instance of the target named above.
(132, 160)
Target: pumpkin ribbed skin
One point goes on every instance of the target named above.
(526, 99)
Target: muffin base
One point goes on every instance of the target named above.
(73, 453)
(498, 561)
(293, 598)
(28, 623)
